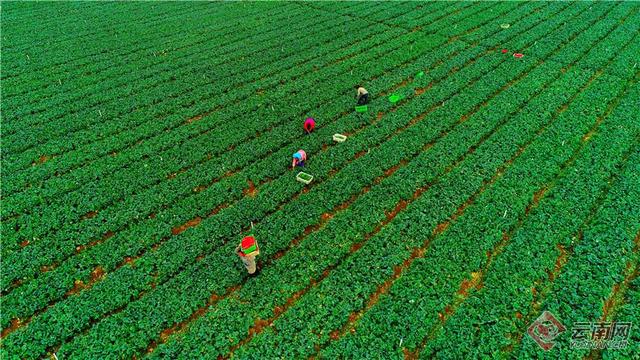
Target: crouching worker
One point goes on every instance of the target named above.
(247, 250)
(309, 124)
(298, 159)
(362, 95)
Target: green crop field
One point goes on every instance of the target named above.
(480, 192)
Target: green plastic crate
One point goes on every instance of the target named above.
(304, 177)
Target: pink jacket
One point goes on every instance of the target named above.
(309, 124)
(298, 157)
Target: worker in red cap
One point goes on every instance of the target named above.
(247, 250)
(299, 158)
(309, 124)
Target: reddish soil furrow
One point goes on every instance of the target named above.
(616, 297)
(251, 191)
(42, 159)
(420, 91)
(360, 154)
(561, 261)
(15, 325)
(89, 215)
(196, 118)
(191, 223)
(181, 326)
(474, 282)
(78, 285)
(104, 237)
(390, 171)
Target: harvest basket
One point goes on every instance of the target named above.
(249, 246)
(304, 178)
(420, 74)
(339, 138)
(505, 26)
(362, 108)
(394, 98)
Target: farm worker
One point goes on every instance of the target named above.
(299, 158)
(309, 124)
(247, 250)
(362, 95)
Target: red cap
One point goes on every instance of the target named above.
(504, 51)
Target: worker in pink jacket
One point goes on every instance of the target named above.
(309, 124)
(298, 159)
